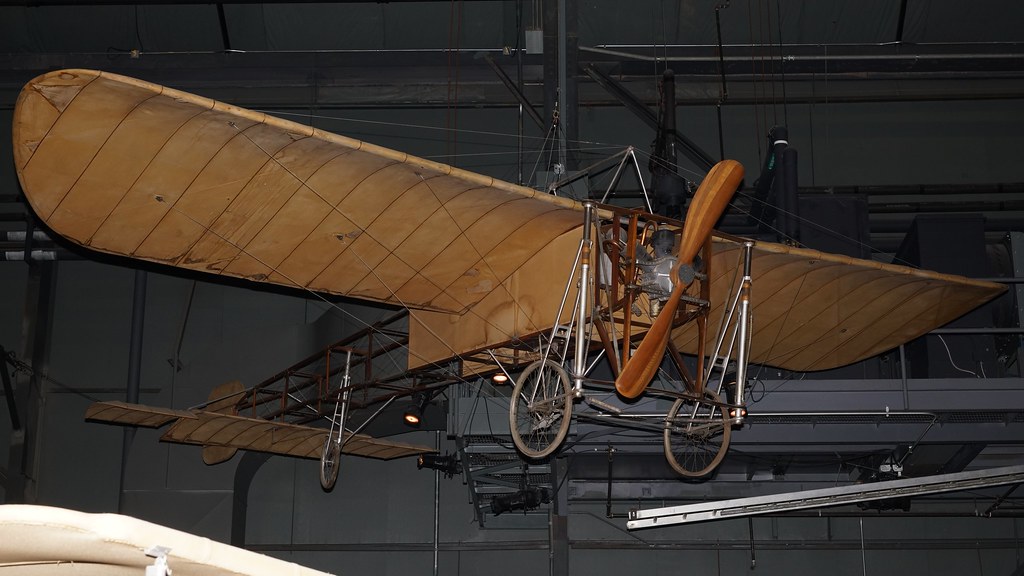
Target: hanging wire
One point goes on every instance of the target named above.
(770, 61)
(454, 39)
(330, 304)
(782, 64)
(754, 82)
(723, 90)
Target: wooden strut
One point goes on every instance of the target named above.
(707, 206)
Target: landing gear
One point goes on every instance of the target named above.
(330, 461)
(697, 435)
(541, 409)
(330, 456)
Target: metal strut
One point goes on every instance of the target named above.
(777, 503)
(737, 312)
(579, 368)
(331, 454)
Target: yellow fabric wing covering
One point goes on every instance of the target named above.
(815, 311)
(42, 540)
(217, 429)
(132, 168)
(811, 310)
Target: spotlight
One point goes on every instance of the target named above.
(447, 465)
(529, 498)
(499, 378)
(414, 413)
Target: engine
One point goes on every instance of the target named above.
(655, 278)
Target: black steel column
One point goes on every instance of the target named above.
(134, 372)
(558, 531)
(25, 443)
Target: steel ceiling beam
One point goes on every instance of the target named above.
(36, 3)
(516, 93)
(689, 148)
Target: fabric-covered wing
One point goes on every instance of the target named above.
(42, 540)
(132, 168)
(817, 311)
(134, 414)
(215, 429)
(229, 431)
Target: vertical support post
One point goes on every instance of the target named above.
(437, 503)
(26, 443)
(245, 472)
(580, 359)
(521, 43)
(134, 372)
(12, 407)
(790, 198)
(563, 86)
(558, 530)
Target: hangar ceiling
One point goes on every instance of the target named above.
(450, 62)
(325, 58)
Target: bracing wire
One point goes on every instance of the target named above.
(782, 64)
(372, 269)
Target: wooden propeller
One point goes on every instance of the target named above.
(707, 207)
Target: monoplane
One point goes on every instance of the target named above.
(497, 277)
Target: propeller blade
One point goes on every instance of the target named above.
(708, 204)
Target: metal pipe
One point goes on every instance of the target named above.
(739, 507)
(579, 363)
(36, 3)
(563, 103)
(744, 330)
(437, 502)
(520, 44)
(977, 331)
(619, 51)
(343, 405)
(516, 89)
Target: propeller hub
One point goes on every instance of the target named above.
(686, 274)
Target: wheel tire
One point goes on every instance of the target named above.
(696, 436)
(330, 460)
(540, 409)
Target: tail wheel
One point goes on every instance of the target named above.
(330, 460)
(541, 409)
(697, 435)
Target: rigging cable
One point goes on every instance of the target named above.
(723, 89)
(753, 76)
(454, 41)
(770, 61)
(782, 64)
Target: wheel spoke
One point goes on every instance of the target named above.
(696, 435)
(540, 410)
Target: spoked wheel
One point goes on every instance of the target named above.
(541, 409)
(696, 435)
(330, 460)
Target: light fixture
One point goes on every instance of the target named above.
(414, 413)
(447, 464)
(529, 498)
(499, 378)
